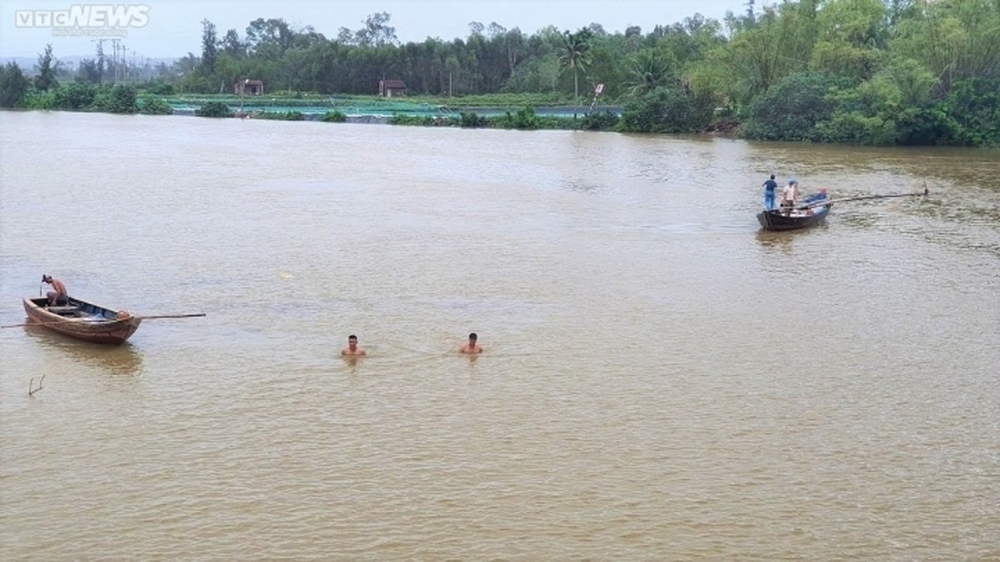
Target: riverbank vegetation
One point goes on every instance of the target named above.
(872, 72)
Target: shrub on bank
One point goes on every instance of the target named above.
(281, 115)
(40, 100)
(154, 106)
(470, 120)
(526, 119)
(123, 99)
(75, 97)
(214, 109)
(605, 121)
(663, 110)
(333, 117)
(424, 120)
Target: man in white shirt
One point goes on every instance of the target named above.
(789, 194)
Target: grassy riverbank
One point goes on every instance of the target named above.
(518, 111)
(509, 111)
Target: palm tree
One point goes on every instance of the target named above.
(575, 57)
(647, 70)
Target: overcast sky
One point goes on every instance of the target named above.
(173, 28)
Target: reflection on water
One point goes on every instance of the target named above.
(781, 241)
(784, 241)
(113, 359)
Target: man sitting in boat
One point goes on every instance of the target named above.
(58, 297)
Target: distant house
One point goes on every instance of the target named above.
(249, 87)
(391, 88)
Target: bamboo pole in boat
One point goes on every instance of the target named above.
(86, 321)
(862, 198)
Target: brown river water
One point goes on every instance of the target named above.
(661, 380)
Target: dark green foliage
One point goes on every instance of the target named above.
(974, 104)
(160, 89)
(123, 99)
(89, 71)
(470, 120)
(214, 109)
(40, 100)
(13, 86)
(791, 108)
(209, 47)
(76, 96)
(334, 117)
(926, 126)
(855, 128)
(663, 110)
(154, 106)
(420, 120)
(281, 115)
(423, 120)
(525, 118)
(605, 121)
(47, 67)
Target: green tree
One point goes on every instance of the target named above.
(974, 105)
(154, 106)
(13, 85)
(76, 96)
(214, 109)
(232, 45)
(377, 32)
(648, 70)
(123, 99)
(209, 47)
(852, 38)
(955, 39)
(47, 67)
(576, 56)
(790, 109)
(663, 110)
(779, 43)
(269, 39)
(88, 71)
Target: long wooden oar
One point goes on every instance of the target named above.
(862, 198)
(157, 317)
(171, 316)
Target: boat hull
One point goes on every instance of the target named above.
(776, 220)
(83, 321)
(811, 212)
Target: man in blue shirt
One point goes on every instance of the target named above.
(769, 187)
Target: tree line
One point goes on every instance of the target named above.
(878, 72)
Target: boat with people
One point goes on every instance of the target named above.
(82, 320)
(809, 212)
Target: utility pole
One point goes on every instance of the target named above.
(124, 63)
(100, 60)
(114, 57)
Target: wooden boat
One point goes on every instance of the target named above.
(82, 320)
(810, 212)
